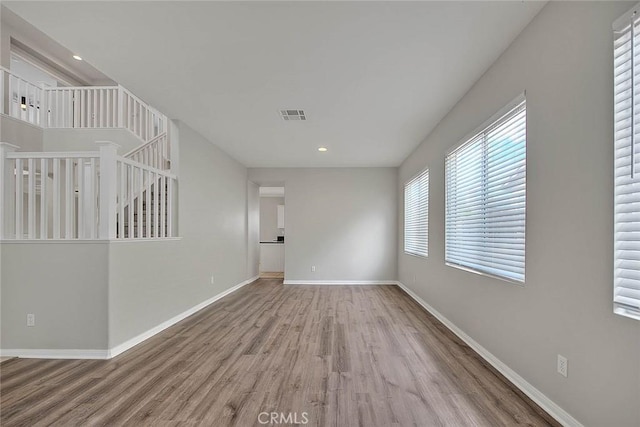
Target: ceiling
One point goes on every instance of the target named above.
(45, 53)
(373, 78)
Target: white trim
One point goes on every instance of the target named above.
(29, 353)
(121, 348)
(146, 239)
(340, 282)
(54, 241)
(15, 119)
(559, 414)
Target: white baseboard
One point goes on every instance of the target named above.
(121, 348)
(28, 353)
(559, 414)
(340, 282)
(113, 352)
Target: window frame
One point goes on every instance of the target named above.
(469, 139)
(424, 173)
(622, 184)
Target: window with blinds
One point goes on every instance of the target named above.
(485, 198)
(626, 293)
(416, 215)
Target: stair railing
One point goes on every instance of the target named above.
(145, 201)
(154, 153)
(83, 196)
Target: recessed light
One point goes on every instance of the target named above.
(322, 149)
(77, 57)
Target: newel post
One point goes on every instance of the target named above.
(108, 189)
(7, 199)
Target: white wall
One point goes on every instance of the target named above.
(342, 220)
(563, 60)
(64, 285)
(269, 230)
(153, 281)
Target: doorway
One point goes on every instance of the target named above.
(272, 232)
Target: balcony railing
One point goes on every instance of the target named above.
(90, 107)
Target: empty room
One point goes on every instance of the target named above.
(320, 213)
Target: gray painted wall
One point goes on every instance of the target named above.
(27, 137)
(85, 139)
(342, 220)
(154, 281)
(64, 285)
(563, 60)
(98, 295)
(269, 218)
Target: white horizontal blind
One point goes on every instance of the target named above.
(416, 215)
(626, 297)
(485, 200)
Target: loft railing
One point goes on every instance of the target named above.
(21, 99)
(90, 107)
(100, 107)
(83, 196)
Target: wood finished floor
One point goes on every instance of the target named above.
(345, 355)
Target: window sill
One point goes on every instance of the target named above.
(484, 273)
(622, 311)
(416, 255)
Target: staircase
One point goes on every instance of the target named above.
(85, 195)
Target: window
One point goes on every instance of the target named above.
(416, 215)
(626, 294)
(485, 198)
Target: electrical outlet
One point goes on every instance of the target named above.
(212, 281)
(313, 268)
(31, 319)
(563, 365)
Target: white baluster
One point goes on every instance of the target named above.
(130, 201)
(31, 198)
(69, 199)
(108, 189)
(44, 199)
(7, 189)
(122, 199)
(148, 204)
(140, 189)
(163, 206)
(19, 198)
(81, 199)
(57, 196)
(170, 208)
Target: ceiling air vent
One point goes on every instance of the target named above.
(292, 115)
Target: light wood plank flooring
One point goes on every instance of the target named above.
(345, 355)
